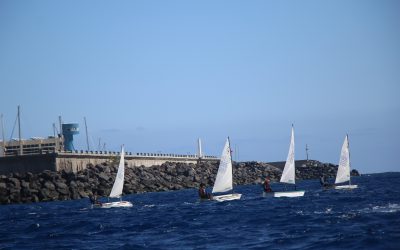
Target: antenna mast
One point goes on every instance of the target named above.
(60, 123)
(2, 134)
(19, 132)
(87, 136)
(61, 133)
(307, 151)
(55, 138)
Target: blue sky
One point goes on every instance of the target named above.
(156, 75)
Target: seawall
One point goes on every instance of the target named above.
(52, 185)
(78, 160)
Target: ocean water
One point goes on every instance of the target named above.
(365, 218)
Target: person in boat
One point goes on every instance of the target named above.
(324, 182)
(266, 185)
(203, 193)
(94, 200)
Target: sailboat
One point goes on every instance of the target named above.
(116, 190)
(223, 181)
(343, 173)
(289, 173)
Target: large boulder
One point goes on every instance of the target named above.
(49, 186)
(103, 177)
(15, 183)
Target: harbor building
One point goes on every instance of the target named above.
(34, 145)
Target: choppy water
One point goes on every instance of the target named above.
(365, 218)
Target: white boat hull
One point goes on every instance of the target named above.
(297, 193)
(116, 204)
(227, 197)
(268, 194)
(346, 187)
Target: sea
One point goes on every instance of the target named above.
(364, 218)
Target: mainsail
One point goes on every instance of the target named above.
(223, 182)
(343, 173)
(116, 190)
(288, 175)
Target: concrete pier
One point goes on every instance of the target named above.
(74, 161)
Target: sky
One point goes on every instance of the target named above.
(157, 75)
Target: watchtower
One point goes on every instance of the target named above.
(68, 131)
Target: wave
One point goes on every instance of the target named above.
(389, 208)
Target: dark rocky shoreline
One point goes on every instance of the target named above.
(50, 186)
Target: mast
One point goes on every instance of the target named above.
(19, 132)
(307, 151)
(60, 123)
(87, 136)
(55, 138)
(294, 159)
(230, 154)
(2, 134)
(61, 133)
(348, 150)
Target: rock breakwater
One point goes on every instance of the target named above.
(50, 186)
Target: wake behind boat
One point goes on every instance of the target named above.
(343, 173)
(223, 181)
(288, 174)
(116, 190)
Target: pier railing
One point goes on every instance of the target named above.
(135, 154)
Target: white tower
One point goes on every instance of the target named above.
(200, 153)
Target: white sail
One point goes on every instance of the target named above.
(288, 175)
(343, 173)
(116, 190)
(223, 182)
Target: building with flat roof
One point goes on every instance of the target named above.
(34, 145)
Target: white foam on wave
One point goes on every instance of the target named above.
(328, 210)
(390, 208)
(348, 215)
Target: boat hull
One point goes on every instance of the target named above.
(227, 197)
(297, 193)
(116, 204)
(267, 194)
(346, 187)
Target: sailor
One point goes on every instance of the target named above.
(266, 185)
(203, 193)
(93, 199)
(324, 183)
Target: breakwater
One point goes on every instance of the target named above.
(75, 161)
(66, 185)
